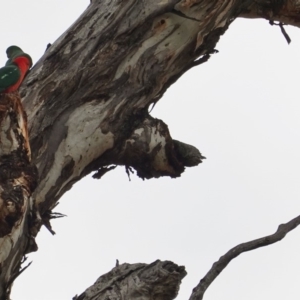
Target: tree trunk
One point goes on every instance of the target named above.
(88, 101)
(18, 178)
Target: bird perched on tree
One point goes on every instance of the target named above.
(12, 75)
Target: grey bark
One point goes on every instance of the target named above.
(159, 280)
(88, 97)
(18, 178)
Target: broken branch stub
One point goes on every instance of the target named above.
(159, 280)
(153, 153)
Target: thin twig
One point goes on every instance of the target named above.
(103, 170)
(128, 171)
(281, 25)
(224, 260)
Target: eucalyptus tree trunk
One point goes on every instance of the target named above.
(88, 100)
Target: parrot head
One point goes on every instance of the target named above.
(14, 52)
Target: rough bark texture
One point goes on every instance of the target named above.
(18, 178)
(88, 102)
(159, 281)
(113, 63)
(286, 11)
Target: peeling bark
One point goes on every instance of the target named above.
(110, 66)
(88, 100)
(18, 178)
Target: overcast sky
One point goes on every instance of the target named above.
(241, 109)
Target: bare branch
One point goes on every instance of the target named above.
(221, 264)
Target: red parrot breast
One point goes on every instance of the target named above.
(23, 63)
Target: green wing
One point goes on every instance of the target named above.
(9, 75)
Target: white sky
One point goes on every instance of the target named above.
(241, 109)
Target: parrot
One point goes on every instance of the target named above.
(15, 69)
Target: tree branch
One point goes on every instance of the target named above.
(153, 153)
(284, 11)
(92, 112)
(159, 280)
(221, 264)
(87, 101)
(18, 178)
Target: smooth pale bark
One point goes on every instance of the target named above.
(88, 97)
